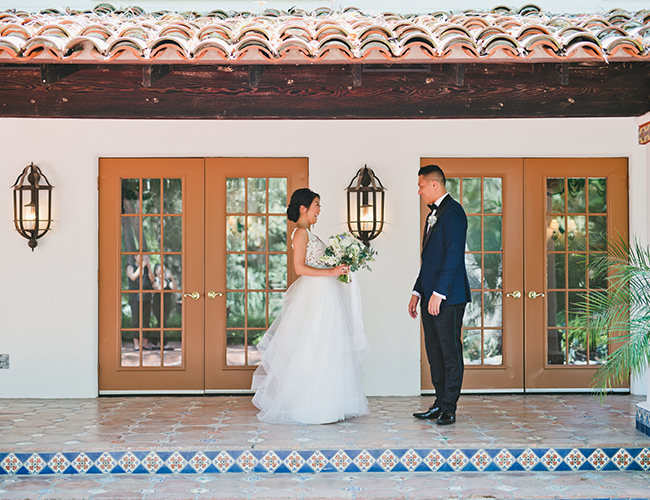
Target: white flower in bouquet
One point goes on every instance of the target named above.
(346, 249)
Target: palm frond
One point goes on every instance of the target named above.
(622, 311)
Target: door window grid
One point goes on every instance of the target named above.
(256, 262)
(482, 199)
(151, 262)
(576, 229)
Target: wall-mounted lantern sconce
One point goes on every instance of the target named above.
(365, 205)
(32, 204)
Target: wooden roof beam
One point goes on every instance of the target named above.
(51, 73)
(153, 73)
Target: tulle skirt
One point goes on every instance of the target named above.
(310, 372)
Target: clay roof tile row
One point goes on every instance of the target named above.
(107, 34)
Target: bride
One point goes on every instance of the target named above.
(310, 371)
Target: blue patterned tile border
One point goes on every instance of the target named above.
(322, 461)
(643, 420)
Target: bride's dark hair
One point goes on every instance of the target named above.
(302, 197)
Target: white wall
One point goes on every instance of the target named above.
(48, 312)
(403, 6)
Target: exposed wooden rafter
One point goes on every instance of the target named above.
(328, 91)
(153, 73)
(51, 73)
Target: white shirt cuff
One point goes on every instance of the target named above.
(443, 297)
(417, 294)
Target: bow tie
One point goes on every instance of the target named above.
(433, 206)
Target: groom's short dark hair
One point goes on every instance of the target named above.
(435, 171)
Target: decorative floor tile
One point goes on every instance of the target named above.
(10, 464)
(58, 463)
(457, 460)
(82, 463)
(35, 464)
(411, 460)
(317, 461)
(481, 460)
(622, 459)
(434, 460)
(223, 461)
(271, 461)
(295, 462)
(364, 461)
(504, 460)
(199, 462)
(575, 459)
(247, 461)
(643, 459)
(598, 459)
(176, 462)
(528, 459)
(388, 460)
(551, 459)
(152, 462)
(340, 461)
(129, 462)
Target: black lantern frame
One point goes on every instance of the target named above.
(32, 204)
(365, 205)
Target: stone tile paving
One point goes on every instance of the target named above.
(564, 485)
(230, 423)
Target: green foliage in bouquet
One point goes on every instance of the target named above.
(347, 250)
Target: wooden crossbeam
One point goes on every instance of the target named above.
(255, 75)
(153, 73)
(51, 73)
(455, 72)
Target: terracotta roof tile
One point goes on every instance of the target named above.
(106, 34)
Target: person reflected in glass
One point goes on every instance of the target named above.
(140, 267)
(310, 368)
(162, 284)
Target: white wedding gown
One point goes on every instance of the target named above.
(310, 371)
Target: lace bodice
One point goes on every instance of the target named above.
(315, 250)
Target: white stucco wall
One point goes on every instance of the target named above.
(48, 298)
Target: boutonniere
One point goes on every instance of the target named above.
(432, 219)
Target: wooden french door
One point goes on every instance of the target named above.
(193, 263)
(532, 225)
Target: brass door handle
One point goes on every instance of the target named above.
(214, 295)
(534, 295)
(193, 295)
(515, 295)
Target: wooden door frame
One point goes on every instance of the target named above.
(536, 171)
(113, 378)
(296, 170)
(507, 377)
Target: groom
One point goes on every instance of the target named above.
(443, 289)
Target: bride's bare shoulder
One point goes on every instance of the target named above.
(300, 235)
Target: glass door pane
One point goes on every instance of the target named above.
(482, 199)
(151, 257)
(576, 231)
(248, 260)
(256, 261)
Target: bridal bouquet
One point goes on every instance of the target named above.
(346, 249)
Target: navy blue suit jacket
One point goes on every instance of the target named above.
(443, 257)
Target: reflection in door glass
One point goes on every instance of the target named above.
(151, 267)
(256, 262)
(573, 236)
(482, 199)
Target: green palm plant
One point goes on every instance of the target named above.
(622, 312)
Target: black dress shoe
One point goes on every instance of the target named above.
(446, 418)
(431, 414)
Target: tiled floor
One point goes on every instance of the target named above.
(213, 424)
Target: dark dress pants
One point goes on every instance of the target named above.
(444, 345)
